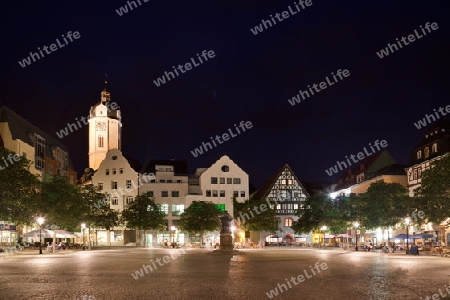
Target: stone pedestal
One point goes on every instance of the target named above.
(226, 242)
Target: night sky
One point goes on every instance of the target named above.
(250, 78)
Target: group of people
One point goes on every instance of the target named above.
(60, 246)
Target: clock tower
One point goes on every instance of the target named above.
(105, 129)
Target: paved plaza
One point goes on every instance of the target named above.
(202, 274)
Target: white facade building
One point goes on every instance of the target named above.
(219, 183)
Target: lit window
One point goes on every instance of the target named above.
(289, 181)
(177, 209)
(128, 184)
(222, 193)
(213, 180)
(283, 181)
(101, 142)
(426, 152)
(164, 194)
(288, 222)
(434, 148)
(165, 208)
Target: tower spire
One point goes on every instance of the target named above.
(106, 81)
(105, 95)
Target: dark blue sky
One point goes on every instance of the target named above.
(250, 78)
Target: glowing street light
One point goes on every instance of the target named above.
(40, 221)
(356, 224)
(407, 221)
(82, 228)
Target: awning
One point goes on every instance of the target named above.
(422, 236)
(329, 236)
(344, 235)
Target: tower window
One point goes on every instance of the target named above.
(101, 142)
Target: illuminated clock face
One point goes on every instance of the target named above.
(101, 126)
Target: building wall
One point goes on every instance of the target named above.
(169, 190)
(218, 170)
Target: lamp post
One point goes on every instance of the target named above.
(407, 221)
(323, 228)
(40, 221)
(356, 224)
(173, 228)
(82, 241)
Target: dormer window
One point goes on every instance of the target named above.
(426, 152)
(419, 154)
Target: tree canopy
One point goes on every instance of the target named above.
(200, 217)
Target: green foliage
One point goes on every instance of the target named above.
(314, 213)
(143, 213)
(433, 197)
(100, 214)
(61, 203)
(200, 217)
(257, 216)
(383, 205)
(18, 189)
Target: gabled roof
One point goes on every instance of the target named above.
(179, 166)
(25, 131)
(267, 186)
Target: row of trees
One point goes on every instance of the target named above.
(383, 205)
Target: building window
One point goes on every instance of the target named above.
(39, 150)
(419, 154)
(214, 193)
(128, 184)
(236, 180)
(175, 194)
(283, 181)
(235, 194)
(288, 222)
(162, 180)
(114, 157)
(169, 180)
(295, 206)
(213, 180)
(434, 148)
(426, 152)
(222, 193)
(242, 193)
(225, 169)
(100, 186)
(164, 194)
(289, 181)
(114, 185)
(107, 171)
(208, 193)
(129, 199)
(165, 208)
(177, 209)
(115, 201)
(415, 174)
(101, 142)
(222, 180)
(121, 170)
(221, 207)
(179, 181)
(114, 171)
(229, 180)
(50, 169)
(149, 193)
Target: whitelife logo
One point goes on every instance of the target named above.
(423, 123)
(27, 61)
(411, 38)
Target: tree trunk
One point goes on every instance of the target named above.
(89, 237)
(145, 238)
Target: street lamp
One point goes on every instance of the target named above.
(82, 228)
(356, 224)
(407, 221)
(324, 228)
(40, 221)
(173, 228)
